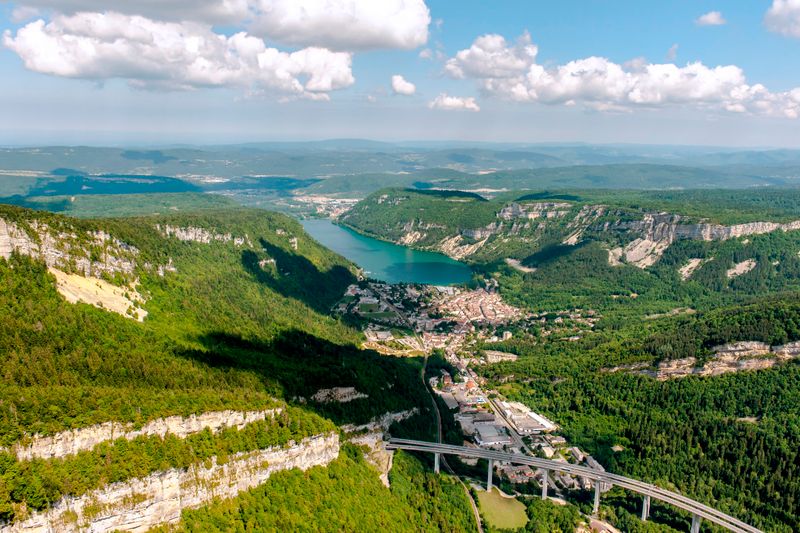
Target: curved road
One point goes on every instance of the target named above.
(440, 437)
(682, 502)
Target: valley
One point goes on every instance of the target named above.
(543, 323)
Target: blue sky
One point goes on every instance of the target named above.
(75, 71)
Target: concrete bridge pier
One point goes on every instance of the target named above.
(695, 524)
(544, 483)
(489, 476)
(596, 509)
(645, 508)
(436, 462)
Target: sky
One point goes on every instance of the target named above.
(722, 73)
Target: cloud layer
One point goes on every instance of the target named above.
(347, 25)
(168, 55)
(511, 72)
(784, 17)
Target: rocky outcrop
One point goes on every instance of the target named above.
(657, 231)
(125, 301)
(72, 442)
(338, 395)
(741, 268)
(381, 422)
(201, 235)
(456, 248)
(140, 504)
(479, 234)
(688, 269)
(535, 210)
(732, 357)
(92, 254)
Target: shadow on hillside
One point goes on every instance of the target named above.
(294, 276)
(295, 365)
(551, 253)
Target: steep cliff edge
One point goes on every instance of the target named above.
(72, 442)
(140, 504)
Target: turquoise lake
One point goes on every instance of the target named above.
(386, 261)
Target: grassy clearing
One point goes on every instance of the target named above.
(502, 512)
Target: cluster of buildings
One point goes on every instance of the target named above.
(478, 306)
(327, 206)
(414, 319)
(523, 420)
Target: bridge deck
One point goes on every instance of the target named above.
(673, 498)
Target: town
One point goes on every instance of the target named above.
(463, 325)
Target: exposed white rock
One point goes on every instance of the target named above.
(731, 357)
(125, 301)
(517, 265)
(76, 440)
(60, 249)
(659, 230)
(741, 268)
(456, 248)
(412, 237)
(140, 504)
(688, 269)
(381, 422)
(742, 349)
(201, 235)
(535, 210)
(338, 395)
(377, 454)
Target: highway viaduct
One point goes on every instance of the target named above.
(698, 510)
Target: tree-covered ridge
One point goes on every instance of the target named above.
(223, 332)
(728, 440)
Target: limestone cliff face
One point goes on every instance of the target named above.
(535, 210)
(656, 232)
(732, 357)
(72, 442)
(201, 235)
(65, 251)
(140, 504)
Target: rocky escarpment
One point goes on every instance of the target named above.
(535, 210)
(201, 235)
(74, 441)
(141, 504)
(733, 357)
(90, 253)
(656, 232)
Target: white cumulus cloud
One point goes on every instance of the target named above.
(343, 24)
(602, 84)
(454, 103)
(784, 17)
(169, 55)
(401, 86)
(491, 57)
(712, 18)
(210, 11)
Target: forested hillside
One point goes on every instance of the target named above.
(237, 320)
(726, 440)
(629, 252)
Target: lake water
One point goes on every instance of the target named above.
(386, 261)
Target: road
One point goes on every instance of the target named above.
(678, 500)
(440, 438)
